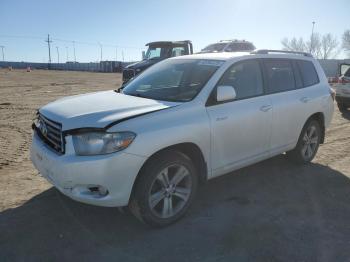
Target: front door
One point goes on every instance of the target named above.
(240, 129)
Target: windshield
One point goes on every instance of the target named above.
(177, 80)
(215, 47)
(154, 52)
(234, 47)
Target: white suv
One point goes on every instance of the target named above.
(184, 120)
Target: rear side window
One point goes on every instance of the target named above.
(245, 77)
(308, 73)
(279, 74)
(178, 51)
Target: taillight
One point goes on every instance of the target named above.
(332, 93)
(332, 80)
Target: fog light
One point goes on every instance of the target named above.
(102, 191)
(98, 190)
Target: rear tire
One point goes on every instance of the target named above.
(165, 189)
(308, 143)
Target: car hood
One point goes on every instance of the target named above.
(143, 64)
(99, 109)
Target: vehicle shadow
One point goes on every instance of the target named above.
(272, 211)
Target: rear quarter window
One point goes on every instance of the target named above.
(308, 73)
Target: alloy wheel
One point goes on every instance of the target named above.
(310, 142)
(170, 191)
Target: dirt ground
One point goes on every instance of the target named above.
(272, 211)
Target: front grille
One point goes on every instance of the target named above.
(50, 132)
(128, 74)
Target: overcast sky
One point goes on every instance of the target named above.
(131, 24)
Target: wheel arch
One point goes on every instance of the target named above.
(191, 150)
(319, 117)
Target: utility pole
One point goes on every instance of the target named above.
(49, 46)
(100, 51)
(123, 55)
(58, 55)
(3, 54)
(312, 37)
(67, 54)
(116, 53)
(75, 58)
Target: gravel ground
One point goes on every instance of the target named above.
(271, 211)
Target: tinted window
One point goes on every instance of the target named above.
(347, 73)
(239, 47)
(246, 78)
(279, 74)
(214, 47)
(308, 73)
(177, 51)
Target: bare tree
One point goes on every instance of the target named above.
(329, 46)
(314, 45)
(346, 41)
(322, 47)
(294, 44)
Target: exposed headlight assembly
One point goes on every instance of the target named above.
(99, 143)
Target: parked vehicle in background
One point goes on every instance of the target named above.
(184, 120)
(156, 52)
(341, 85)
(229, 46)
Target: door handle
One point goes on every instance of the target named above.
(265, 108)
(304, 99)
(221, 118)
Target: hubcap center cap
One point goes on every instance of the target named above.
(170, 190)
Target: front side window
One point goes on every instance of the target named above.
(177, 80)
(245, 77)
(279, 74)
(156, 52)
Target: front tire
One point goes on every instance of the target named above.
(308, 143)
(165, 189)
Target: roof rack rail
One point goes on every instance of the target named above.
(267, 51)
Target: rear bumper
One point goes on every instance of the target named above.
(73, 175)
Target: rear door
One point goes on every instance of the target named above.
(291, 100)
(240, 129)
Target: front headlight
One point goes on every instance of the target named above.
(98, 143)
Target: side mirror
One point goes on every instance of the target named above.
(225, 93)
(143, 55)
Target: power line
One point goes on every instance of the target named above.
(70, 41)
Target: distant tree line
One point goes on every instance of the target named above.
(321, 46)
